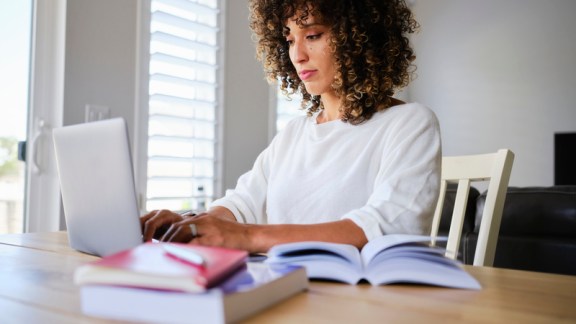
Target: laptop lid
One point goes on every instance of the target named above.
(97, 186)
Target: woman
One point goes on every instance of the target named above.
(360, 165)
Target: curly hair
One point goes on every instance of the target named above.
(369, 41)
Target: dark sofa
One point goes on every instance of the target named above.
(537, 232)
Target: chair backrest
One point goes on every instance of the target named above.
(494, 168)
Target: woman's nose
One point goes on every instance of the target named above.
(299, 52)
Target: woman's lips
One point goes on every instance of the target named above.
(306, 74)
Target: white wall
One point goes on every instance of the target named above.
(246, 106)
(499, 74)
(100, 68)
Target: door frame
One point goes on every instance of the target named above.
(43, 210)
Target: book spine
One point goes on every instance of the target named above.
(144, 305)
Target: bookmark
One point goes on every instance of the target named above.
(186, 255)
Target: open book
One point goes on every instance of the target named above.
(387, 259)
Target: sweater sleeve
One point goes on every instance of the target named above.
(407, 181)
(247, 201)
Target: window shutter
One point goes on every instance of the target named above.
(182, 103)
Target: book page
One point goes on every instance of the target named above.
(315, 250)
(322, 260)
(420, 271)
(379, 244)
(412, 251)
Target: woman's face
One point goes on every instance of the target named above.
(311, 55)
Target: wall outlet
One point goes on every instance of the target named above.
(96, 112)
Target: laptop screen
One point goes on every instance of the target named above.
(97, 186)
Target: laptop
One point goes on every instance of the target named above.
(97, 186)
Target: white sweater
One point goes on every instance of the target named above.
(382, 174)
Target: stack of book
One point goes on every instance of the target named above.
(178, 283)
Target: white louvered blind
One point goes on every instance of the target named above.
(182, 103)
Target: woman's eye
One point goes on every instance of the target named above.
(313, 37)
(289, 42)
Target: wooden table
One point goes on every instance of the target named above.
(36, 287)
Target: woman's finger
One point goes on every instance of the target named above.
(157, 221)
(144, 218)
(177, 233)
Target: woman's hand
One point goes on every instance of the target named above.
(157, 222)
(212, 229)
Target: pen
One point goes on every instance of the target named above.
(184, 254)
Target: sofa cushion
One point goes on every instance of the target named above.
(543, 254)
(536, 211)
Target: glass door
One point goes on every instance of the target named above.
(15, 37)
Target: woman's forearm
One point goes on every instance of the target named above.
(263, 237)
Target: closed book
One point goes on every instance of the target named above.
(154, 265)
(385, 260)
(248, 291)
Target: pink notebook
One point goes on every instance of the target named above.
(150, 266)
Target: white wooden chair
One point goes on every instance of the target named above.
(494, 168)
